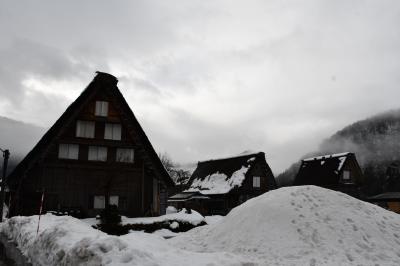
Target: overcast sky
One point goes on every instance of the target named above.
(208, 79)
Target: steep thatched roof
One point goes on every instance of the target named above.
(108, 83)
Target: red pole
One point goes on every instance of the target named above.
(9, 205)
(40, 211)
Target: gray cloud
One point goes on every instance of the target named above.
(212, 78)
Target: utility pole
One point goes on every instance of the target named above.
(6, 155)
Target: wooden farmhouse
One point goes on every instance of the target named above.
(339, 172)
(95, 155)
(217, 186)
(390, 198)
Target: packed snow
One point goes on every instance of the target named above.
(63, 240)
(219, 183)
(304, 225)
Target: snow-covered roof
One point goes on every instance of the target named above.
(323, 158)
(185, 196)
(386, 196)
(222, 175)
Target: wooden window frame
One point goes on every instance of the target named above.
(256, 181)
(97, 148)
(115, 129)
(101, 108)
(125, 149)
(84, 130)
(69, 154)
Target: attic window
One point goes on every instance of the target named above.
(346, 175)
(68, 151)
(256, 181)
(101, 108)
(125, 155)
(99, 202)
(85, 129)
(97, 153)
(112, 131)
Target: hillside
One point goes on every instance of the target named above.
(19, 138)
(375, 141)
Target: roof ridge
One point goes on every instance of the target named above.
(232, 157)
(327, 156)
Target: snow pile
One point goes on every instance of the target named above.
(218, 183)
(63, 240)
(304, 225)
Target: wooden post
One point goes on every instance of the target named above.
(40, 212)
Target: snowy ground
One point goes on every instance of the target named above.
(303, 226)
(289, 226)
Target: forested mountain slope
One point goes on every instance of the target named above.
(19, 138)
(375, 141)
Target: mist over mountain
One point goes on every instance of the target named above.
(375, 141)
(19, 138)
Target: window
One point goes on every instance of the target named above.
(97, 153)
(68, 151)
(114, 200)
(256, 181)
(112, 131)
(346, 175)
(85, 129)
(101, 108)
(99, 202)
(125, 155)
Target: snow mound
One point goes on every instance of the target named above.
(304, 225)
(63, 240)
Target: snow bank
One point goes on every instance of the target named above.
(304, 225)
(63, 240)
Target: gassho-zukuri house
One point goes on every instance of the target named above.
(340, 172)
(95, 155)
(217, 186)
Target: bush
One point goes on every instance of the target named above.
(110, 215)
(110, 221)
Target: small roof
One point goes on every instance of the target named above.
(386, 196)
(185, 196)
(222, 175)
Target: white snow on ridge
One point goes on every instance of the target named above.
(304, 225)
(218, 183)
(326, 156)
